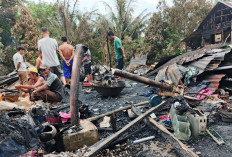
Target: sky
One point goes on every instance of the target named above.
(139, 5)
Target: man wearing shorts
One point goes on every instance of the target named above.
(20, 65)
(67, 54)
(48, 47)
(118, 49)
(87, 64)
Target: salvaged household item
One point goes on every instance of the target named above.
(155, 100)
(109, 89)
(182, 149)
(48, 132)
(198, 123)
(180, 125)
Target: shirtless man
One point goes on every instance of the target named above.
(38, 64)
(34, 82)
(67, 53)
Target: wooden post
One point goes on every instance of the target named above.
(202, 41)
(74, 93)
(141, 79)
(222, 35)
(113, 122)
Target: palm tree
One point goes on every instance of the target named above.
(122, 22)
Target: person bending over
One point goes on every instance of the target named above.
(52, 91)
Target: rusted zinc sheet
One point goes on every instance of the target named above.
(209, 61)
(214, 80)
(171, 72)
(227, 60)
(219, 56)
(187, 57)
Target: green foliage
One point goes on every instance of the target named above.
(48, 13)
(172, 24)
(26, 32)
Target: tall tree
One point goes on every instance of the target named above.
(127, 27)
(121, 20)
(7, 19)
(26, 32)
(171, 24)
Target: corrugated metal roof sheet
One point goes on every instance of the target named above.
(201, 64)
(219, 56)
(214, 81)
(171, 72)
(188, 57)
(210, 61)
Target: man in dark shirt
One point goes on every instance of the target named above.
(52, 91)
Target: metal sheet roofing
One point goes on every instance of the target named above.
(189, 56)
(214, 81)
(206, 61)
(171, 72)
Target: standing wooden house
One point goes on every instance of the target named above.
(215, 28)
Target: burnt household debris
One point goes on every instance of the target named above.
(180, 107)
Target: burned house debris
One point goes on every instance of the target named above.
(177, 111)
(182, 107)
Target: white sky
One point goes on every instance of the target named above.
(139, 5)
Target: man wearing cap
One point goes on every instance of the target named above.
(48, 47)
(67, 54)
(87, 63)
(118, 50)
(52, 91)
(20, 65)
(34, 82)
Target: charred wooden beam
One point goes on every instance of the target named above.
(141, 79)
(181, 148)
(113, 122)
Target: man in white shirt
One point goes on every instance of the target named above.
(48, 47)
(20, 65)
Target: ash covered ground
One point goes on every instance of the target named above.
(132, 94)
